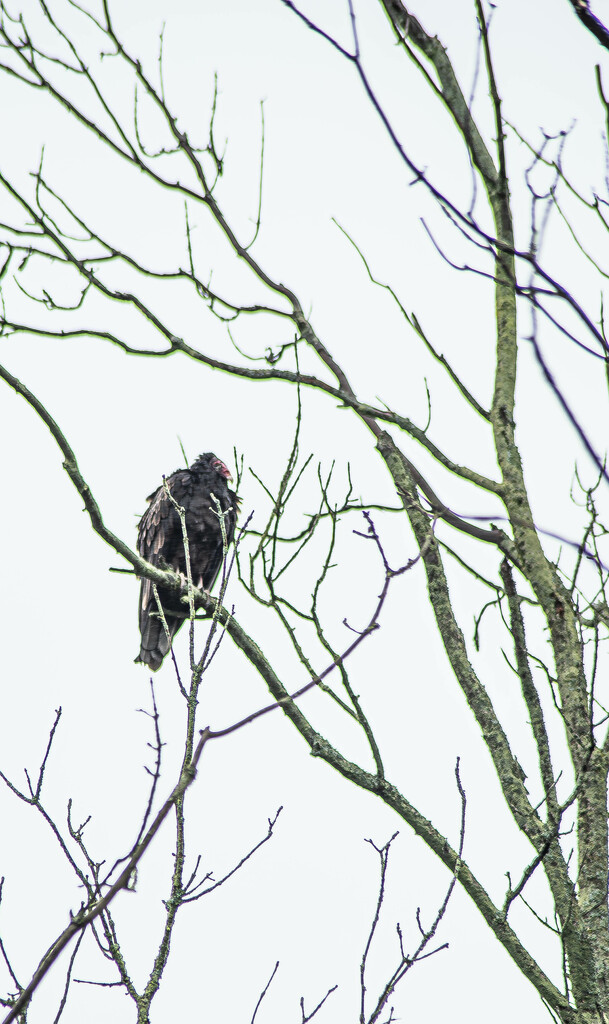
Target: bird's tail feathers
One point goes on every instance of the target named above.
(155, 642)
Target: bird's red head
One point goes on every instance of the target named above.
(222, 469)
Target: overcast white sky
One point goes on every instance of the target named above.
(70, 627)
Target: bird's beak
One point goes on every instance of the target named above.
(223, 470)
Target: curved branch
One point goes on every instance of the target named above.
(70, 465)
(390, 795)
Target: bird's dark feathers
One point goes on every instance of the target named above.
(160, 542)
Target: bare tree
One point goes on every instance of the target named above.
(537, 594)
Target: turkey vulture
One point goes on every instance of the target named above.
(160, 541)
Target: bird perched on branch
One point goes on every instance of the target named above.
(160, 541)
